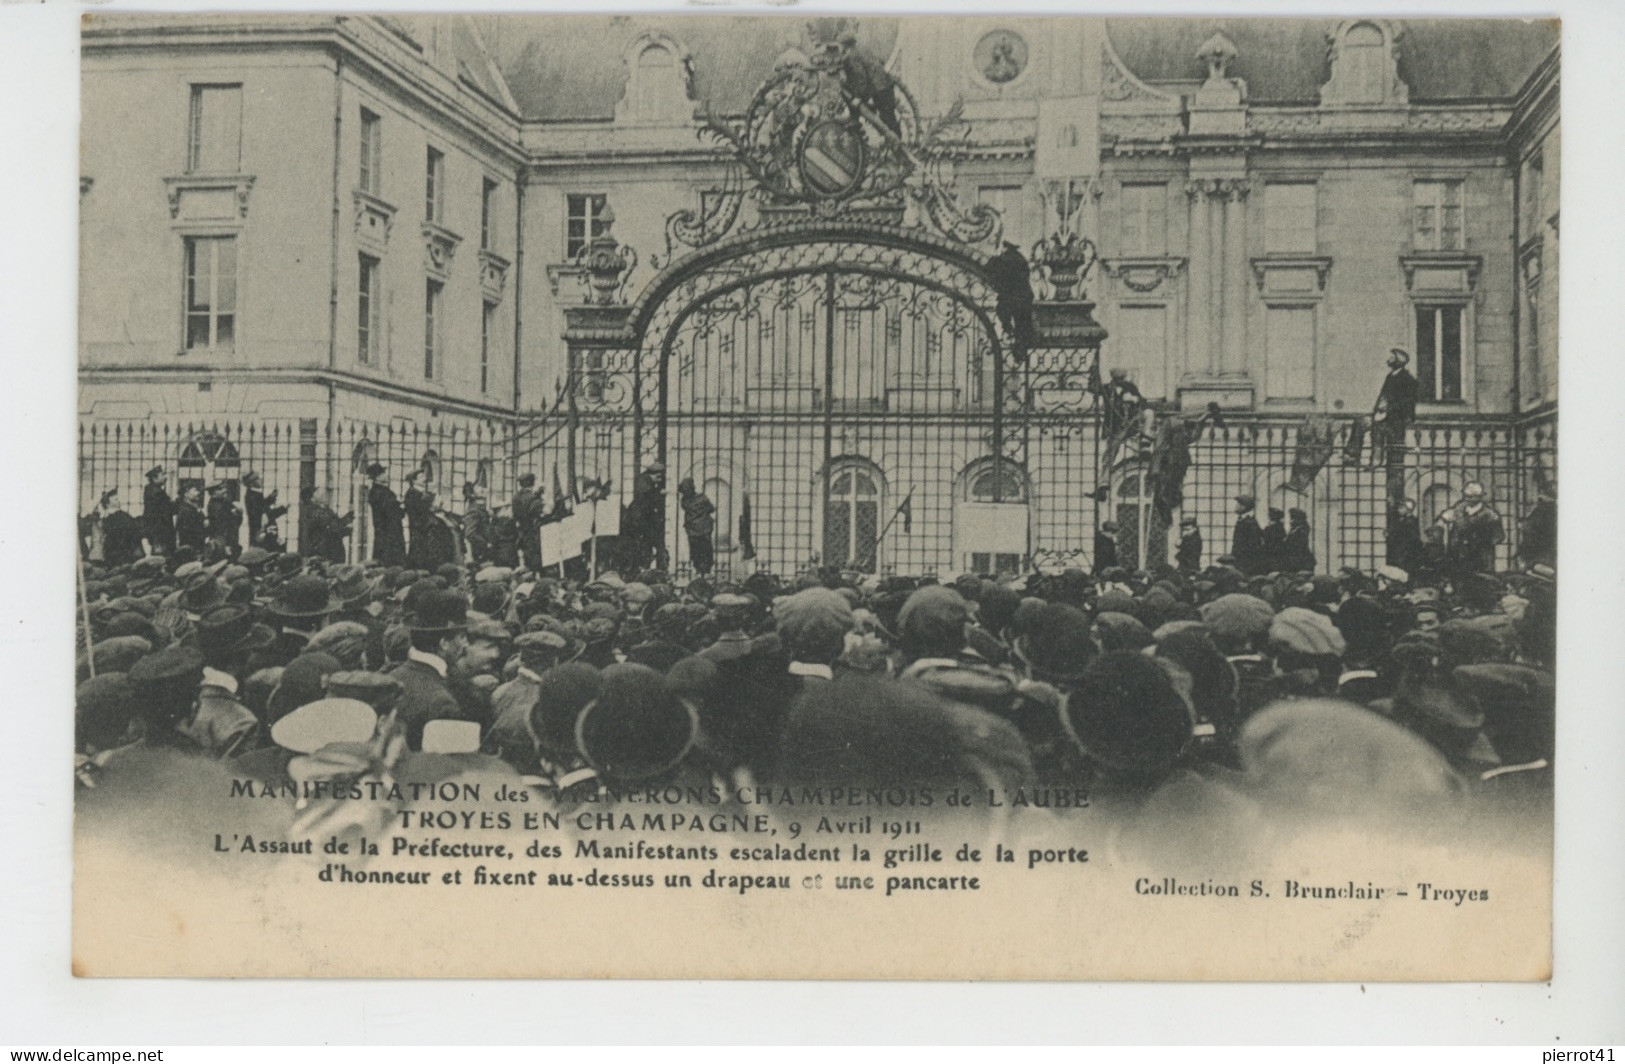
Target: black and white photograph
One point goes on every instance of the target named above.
(801, 495)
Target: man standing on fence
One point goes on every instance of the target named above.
(325, 530)
(261, 508)
(191, 529)
(700, 524)
(1247, 541)
(1404, 541)
(1189, 554)
(1395, 409)
(158, 513)
(388, 540)
(644, 529)
(225, 521)
(527, 516)
(1475, 531)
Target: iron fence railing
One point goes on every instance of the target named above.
(920, 460)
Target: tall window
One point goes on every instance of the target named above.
(434, 187)
(371, 152)
(1289, 218)
(488, 195)
(852, 519)
(1437, 225)
(211, 292)
(1289, 352)
(1140, 338)
(367, 312)
(216, 138)
(433, 297)
(1438, 352)
(586, 220)
(488, 326)
(1144, 220)
(656, 73)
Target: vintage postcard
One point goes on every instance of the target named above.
(719, 496)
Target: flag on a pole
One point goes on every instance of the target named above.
(906, 511)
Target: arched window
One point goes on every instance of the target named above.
(1364, 68)
(1363, 52)
(654, 72)
(1002, 483)
(992, 520)
(208, 457)
(657, 81)
(852, 517)
(1133, 517)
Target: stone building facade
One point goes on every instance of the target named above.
(310, 242)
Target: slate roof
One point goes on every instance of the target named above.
(570, 67)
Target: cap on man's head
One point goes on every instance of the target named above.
(1399, 353)
(155, 472)
(1474, 490)
(376, 470)
(1246, 500)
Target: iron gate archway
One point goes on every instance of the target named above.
(787, 350)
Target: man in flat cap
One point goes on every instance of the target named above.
(158, 512)
(388, 540)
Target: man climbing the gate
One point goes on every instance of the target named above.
(1010, 276)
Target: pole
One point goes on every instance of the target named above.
(84, 606)
(594, 548)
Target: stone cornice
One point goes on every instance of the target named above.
(379, 387)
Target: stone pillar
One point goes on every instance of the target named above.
(1198, 331)
(1215, 273)
(1233, 360)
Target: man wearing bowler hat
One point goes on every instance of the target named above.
(226, 636)
(301, 608)
(437, 630)
(158, 512)
(388, 539)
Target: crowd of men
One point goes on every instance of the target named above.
(1421, 690)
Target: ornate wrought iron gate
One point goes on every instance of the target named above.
(844, 385)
